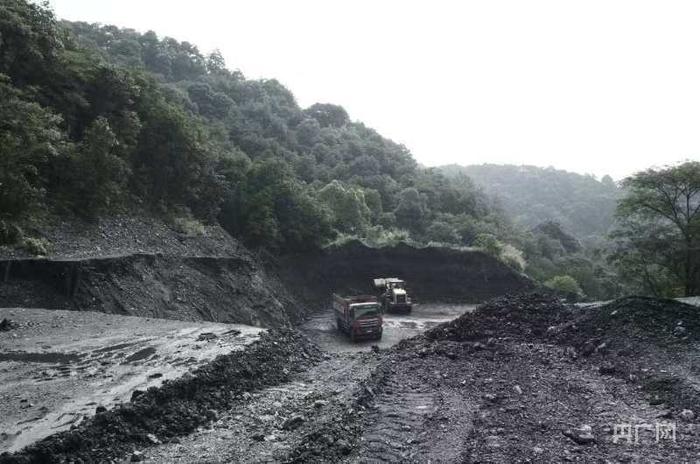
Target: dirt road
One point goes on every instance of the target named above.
(272, 425)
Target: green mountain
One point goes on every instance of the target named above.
(96, 119)
(583, 205)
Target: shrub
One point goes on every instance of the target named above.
(36, 246)
(489, 244)
(513, 257)
(565, 284)
(188, 226)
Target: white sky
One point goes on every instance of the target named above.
(589, 86)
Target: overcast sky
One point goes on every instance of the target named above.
(588, 86)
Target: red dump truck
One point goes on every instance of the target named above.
(358, 316)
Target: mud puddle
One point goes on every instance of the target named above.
(322, 329)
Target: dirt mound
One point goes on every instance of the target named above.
(665, 321)
(648, 341)
(179, 406)
(433, 274)
(523, 316)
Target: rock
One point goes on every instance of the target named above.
(153, 439)
(258, 437)
(136, 394)
(207, 336)
(518, 390)
(7, 325)
(491, 398)
(375, 349)
(100, 409)
(607, 369)
(343, 446)
(277, 404)
(320, 403)
(679, 331)
(581, 436)
(136, 456)
(687, 415)
(293, 422)
(537, 450)
(588, 349)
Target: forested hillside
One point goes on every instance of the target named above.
(96, 120)
(582, 204)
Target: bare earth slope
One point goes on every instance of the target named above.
(433, 274)
(142, 266)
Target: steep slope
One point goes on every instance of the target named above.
(135, 265)
(432, 273)
(144, 267)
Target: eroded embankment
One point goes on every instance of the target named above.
(179, 406)
(238, 288)
(213, 288)
(433, 274)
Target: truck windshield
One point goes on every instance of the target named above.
(365, 310)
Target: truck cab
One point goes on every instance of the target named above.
(393, 295)
(360, 316)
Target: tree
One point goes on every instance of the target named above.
(30, 139)
(564, 284)
(442, 232)
(658, 230)
(100, 175)
(411, 211)
(328, 115)
(216, 62)
(350, 211)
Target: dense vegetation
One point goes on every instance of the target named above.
(97, 119)
(581, 204)
(657, 238)
(566, 217)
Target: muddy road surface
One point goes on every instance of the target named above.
(57, 367)
(322, 329)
